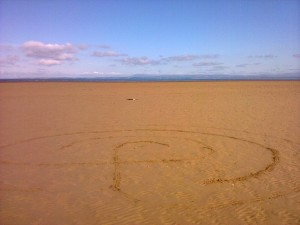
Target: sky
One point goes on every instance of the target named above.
(59, 38)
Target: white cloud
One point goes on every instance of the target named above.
(137, 61)
(49, 54)
(49, 62)
(166, 60)
(96, 73)
(182, 58)
(107, 54)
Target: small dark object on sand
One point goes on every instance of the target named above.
(131, 99)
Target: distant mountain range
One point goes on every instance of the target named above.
(157, 78)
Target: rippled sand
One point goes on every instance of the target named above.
(181, 153)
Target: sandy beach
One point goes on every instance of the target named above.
(179, 153)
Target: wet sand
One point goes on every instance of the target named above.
(180, 153)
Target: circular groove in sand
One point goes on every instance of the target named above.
(98, 135)
(116, 161)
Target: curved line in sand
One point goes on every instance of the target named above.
(267, 168)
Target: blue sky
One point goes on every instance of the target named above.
(119, 38)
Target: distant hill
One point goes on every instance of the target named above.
(157, 78)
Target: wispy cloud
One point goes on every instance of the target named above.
(242, 65)
(107, 54)
(209, 56)
(82, 46)
(167, 60)
(9, 60)
(6, 47)
(181, 58)
(137, 61)
(189, 57)
(266, 56)
(49, 54)
(296, 55)
(102, 73)
(247, 64)
(220, 67)
(104, 46)
(207, 64)
(49, 62)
